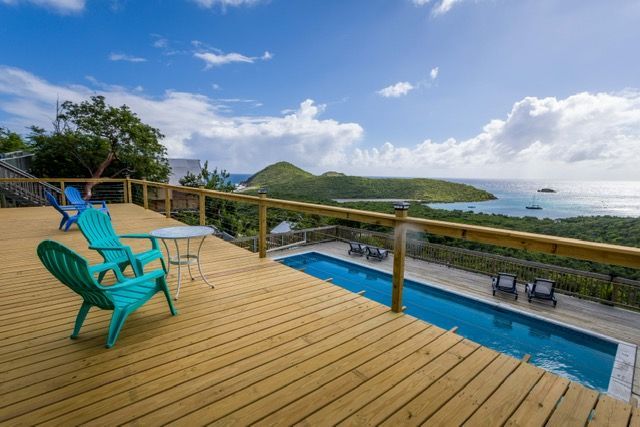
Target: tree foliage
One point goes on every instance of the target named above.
(92, 139)
(10, 141)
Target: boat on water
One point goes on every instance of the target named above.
(547, 190)
(533, 204)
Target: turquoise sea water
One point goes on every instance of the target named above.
(573, 198)
(575, 355)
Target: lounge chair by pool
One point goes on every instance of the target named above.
(376, 253)
(541, 289)
(505, 282)
(356, 248)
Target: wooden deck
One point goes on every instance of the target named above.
(270, 345)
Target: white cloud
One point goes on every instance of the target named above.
(124, 57)
(439, 7)
(60, 6)
(434, 73)
(444, 6)
(396, 90)
(583, 136)
(213, 59)
(193, 123)
(224, 3)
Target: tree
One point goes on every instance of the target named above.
(221, 213)
(10, 141)
(92, 139)
(212, 180)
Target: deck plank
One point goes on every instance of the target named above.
(610, 412)
(575, 406)
(540, 402)
(269, 345)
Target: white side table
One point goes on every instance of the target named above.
(179, 233)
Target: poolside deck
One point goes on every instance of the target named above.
(270, 345)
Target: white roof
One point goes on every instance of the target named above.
(283, 227)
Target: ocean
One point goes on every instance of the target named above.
(572, 198)
(237, 178)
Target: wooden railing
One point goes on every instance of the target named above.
(400, 222)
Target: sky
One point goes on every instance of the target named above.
(428, 88)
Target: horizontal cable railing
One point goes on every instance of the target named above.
(199, 205)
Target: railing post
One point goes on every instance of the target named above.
(399, 249)
(145, 195)
(201, 206)
(129, 194)
(262, 215)
(63, 198)
(167, 202)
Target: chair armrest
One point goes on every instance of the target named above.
(153, 240)
(126, 249)
(99, 268)
(126, 282)
(102, 203)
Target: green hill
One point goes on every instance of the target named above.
(287, 181)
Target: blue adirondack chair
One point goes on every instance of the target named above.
(75, 198)
(123, 297)
(67, 220)
(98, 230)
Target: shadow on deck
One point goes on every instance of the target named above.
(270, 345)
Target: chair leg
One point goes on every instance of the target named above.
(69, 223)
(62, 223)
(162, 283)
(82, 314)
(117, 321)
(101, 276)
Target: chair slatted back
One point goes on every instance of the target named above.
(97, 229)
(54, 202)
(73, 271)
(506, 281)
(74, 196)
(543, 286)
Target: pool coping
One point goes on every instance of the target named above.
(621, 379)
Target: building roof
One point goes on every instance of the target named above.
(283, 227)
(180, 168)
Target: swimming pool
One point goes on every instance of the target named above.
(568, 352)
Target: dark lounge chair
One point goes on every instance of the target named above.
(541, 289)
(356, 248)
(505, 282)
(376, 253)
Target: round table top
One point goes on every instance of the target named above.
(182, 232)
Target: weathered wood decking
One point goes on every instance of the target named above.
(269, 345)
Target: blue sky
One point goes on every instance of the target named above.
(445, 88)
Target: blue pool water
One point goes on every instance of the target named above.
(564, 351)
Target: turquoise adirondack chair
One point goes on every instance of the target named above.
(97, 229)
(124, 297)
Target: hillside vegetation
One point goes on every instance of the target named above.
(287, 181)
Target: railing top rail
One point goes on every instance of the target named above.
(574, 248)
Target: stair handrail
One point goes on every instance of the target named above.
(33, 191)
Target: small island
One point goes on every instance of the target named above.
(287, 181)
(547, 190)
